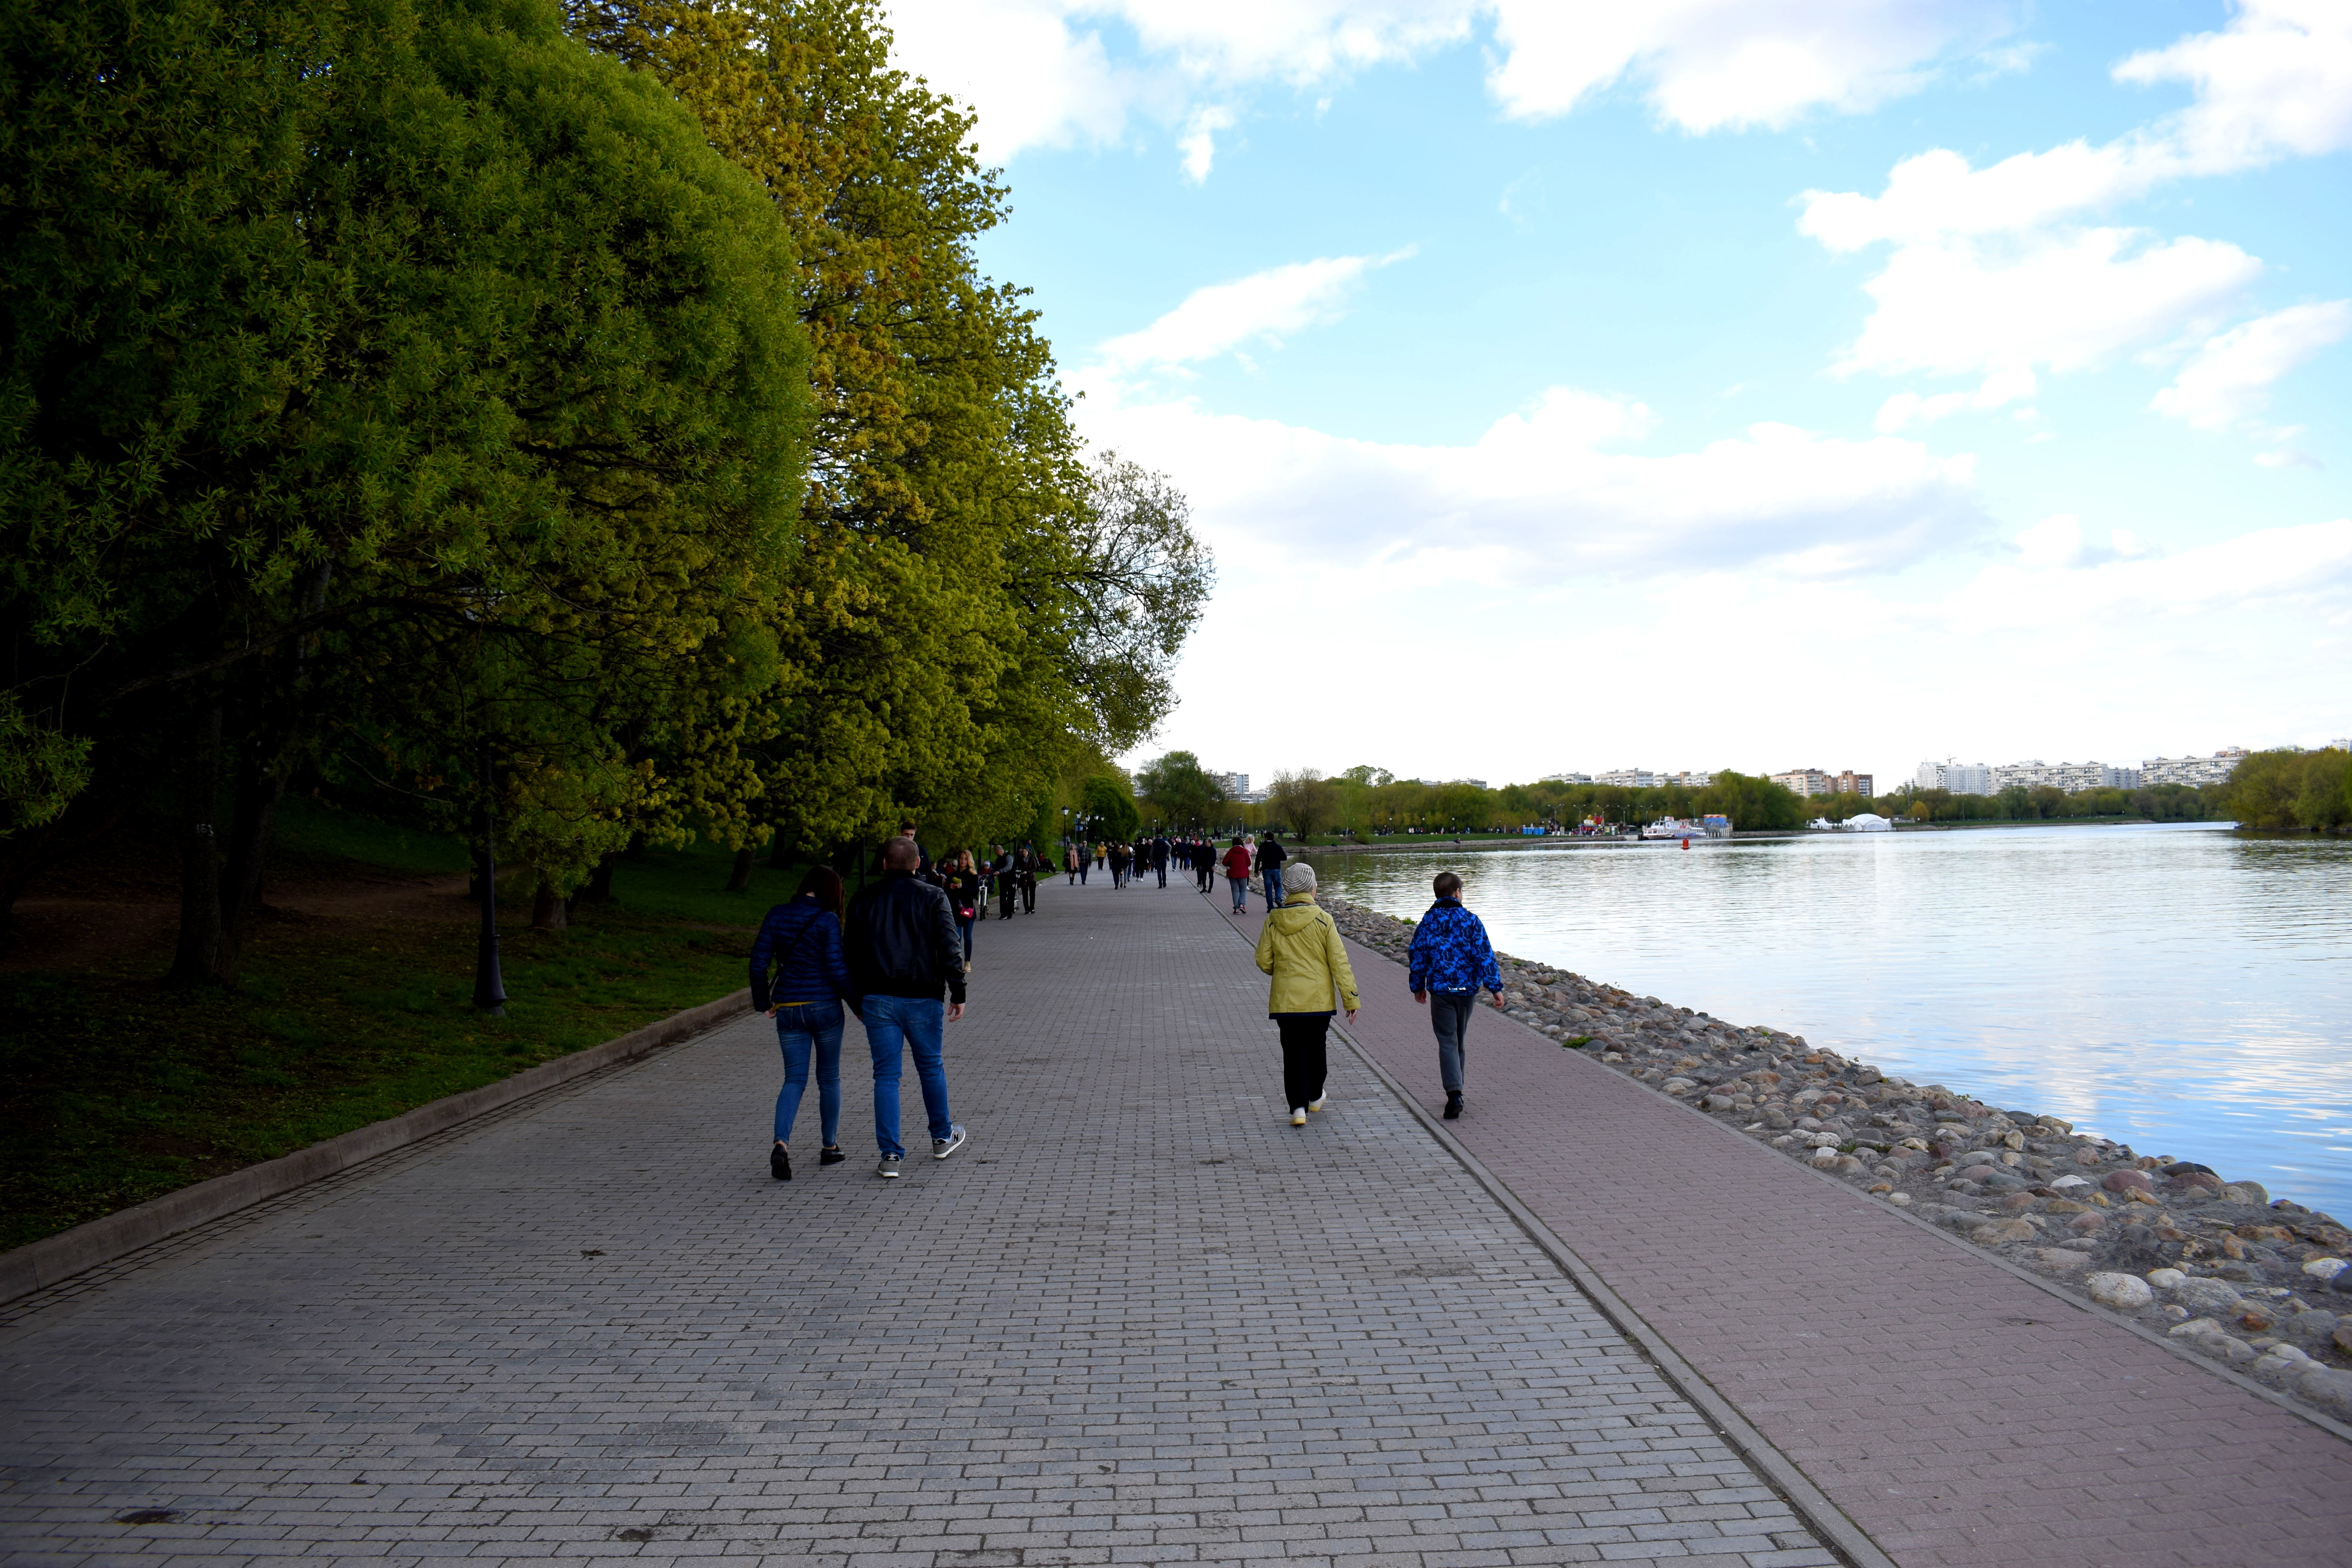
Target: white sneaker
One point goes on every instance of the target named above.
(1316, 1104)
(1298, 1116)
(893, 1166)
(943, 1147)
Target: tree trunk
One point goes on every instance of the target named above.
(258, 791)
(194, 960)
(489, 982)
(548, 910)
(780, 852)
(740, 878)
(598, 890)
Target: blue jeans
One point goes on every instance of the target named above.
(964, 924)
(894, 1023)
(1082, 873)
(1274, 889)
(1239, 885)
(811, 1028)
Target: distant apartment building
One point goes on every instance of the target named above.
(1642, 778)
(1956, 778)
(1815, 781)
(1568, 778)
(1235, 787)
(2067, 777)
(2341, 744)
(2213, 770)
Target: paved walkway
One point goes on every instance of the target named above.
(1960, 1415)
(1140, 1318)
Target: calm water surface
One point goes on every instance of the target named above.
(2177, 988)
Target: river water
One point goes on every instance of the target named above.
(2177, 988)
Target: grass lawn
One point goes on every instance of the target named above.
(118, 1091)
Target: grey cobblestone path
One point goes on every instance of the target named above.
(1138, 1319)
(1961, 1417)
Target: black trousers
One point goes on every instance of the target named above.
(1303, 1036)
(1028, 895)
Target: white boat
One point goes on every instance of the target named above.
(1676, 827)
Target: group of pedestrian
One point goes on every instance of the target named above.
(1246, 859)
(1298, 947)
(898, 957)
(892, 957)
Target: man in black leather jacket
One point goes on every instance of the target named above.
(903, 952)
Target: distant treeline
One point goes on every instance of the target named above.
(2284, 790)
(2272, 790)
(2158, 803)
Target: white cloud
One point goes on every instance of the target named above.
(2064, 301)
(1992, 268)
(1199, 143)
(1907, 410)
(1540, 493)
(1717, 64)
(2229, 379)
(1223, 316)
(2277, 81)
(1040, 75)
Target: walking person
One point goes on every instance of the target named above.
(1451, 959)
(1204, 865)
(1270, 856)
(1008, 883)
(801, 941)
(1299, 946)
(902, 953)
(1237, 874)
(1031, 862)
(1118, 858)
(966, 892)
(1160, 857)
(1073, 863)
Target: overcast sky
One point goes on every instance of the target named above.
(1698, 384)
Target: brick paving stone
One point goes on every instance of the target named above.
(1956, 1414)
(1138, 1319)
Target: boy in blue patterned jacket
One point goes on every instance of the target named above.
(1451, 960)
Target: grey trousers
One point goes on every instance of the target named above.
(1449, 1012)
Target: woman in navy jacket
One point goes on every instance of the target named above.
(802, 942)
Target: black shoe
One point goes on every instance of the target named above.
(780, 1164)
(1453, 1106)
(831, 1156)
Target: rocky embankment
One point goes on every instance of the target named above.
(2258, 1283)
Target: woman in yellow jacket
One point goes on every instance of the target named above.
(1301, 948)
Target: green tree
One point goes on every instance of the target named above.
(378, 384)
(1188, 798)
(1753, 802)
(1303, 800)
(2264, 788)
(973, 606)
(1107, 809)
(2323, 800)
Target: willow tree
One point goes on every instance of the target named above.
(381, 383)
(966, 587)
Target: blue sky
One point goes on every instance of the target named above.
(1573, 386)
